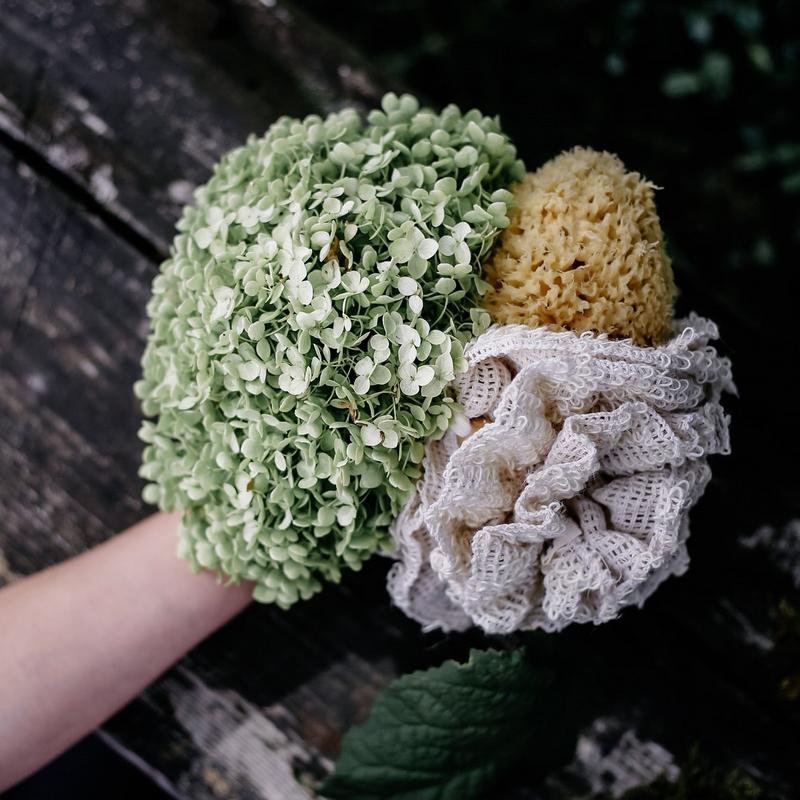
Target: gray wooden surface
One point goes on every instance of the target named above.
(110, 114)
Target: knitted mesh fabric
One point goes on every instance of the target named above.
(584, 252)
(571, 500)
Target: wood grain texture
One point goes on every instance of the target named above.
(70, 348)
(110, 114)
(136, 101)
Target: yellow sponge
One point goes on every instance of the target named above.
(584, 252)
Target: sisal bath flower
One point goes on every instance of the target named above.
(562, 494)
(570, 500)
(306, 330)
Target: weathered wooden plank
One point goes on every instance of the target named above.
(136, 101)
(70, 349)
(331, 71)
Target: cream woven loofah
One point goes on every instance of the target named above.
(572, 500)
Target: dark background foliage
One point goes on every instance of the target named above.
(699, 96)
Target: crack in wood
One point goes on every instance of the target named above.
(29, 155)
(7, 342)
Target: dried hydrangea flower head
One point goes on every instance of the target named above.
(305, 331)
(584, 252)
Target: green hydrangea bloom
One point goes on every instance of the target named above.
(304, 332)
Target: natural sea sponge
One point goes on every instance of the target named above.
(584, 252)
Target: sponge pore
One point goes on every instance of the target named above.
(584, 252)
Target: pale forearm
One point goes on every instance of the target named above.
(81, 639)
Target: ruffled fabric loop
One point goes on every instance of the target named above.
(570, 497)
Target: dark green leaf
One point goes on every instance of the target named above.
(451, 732)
